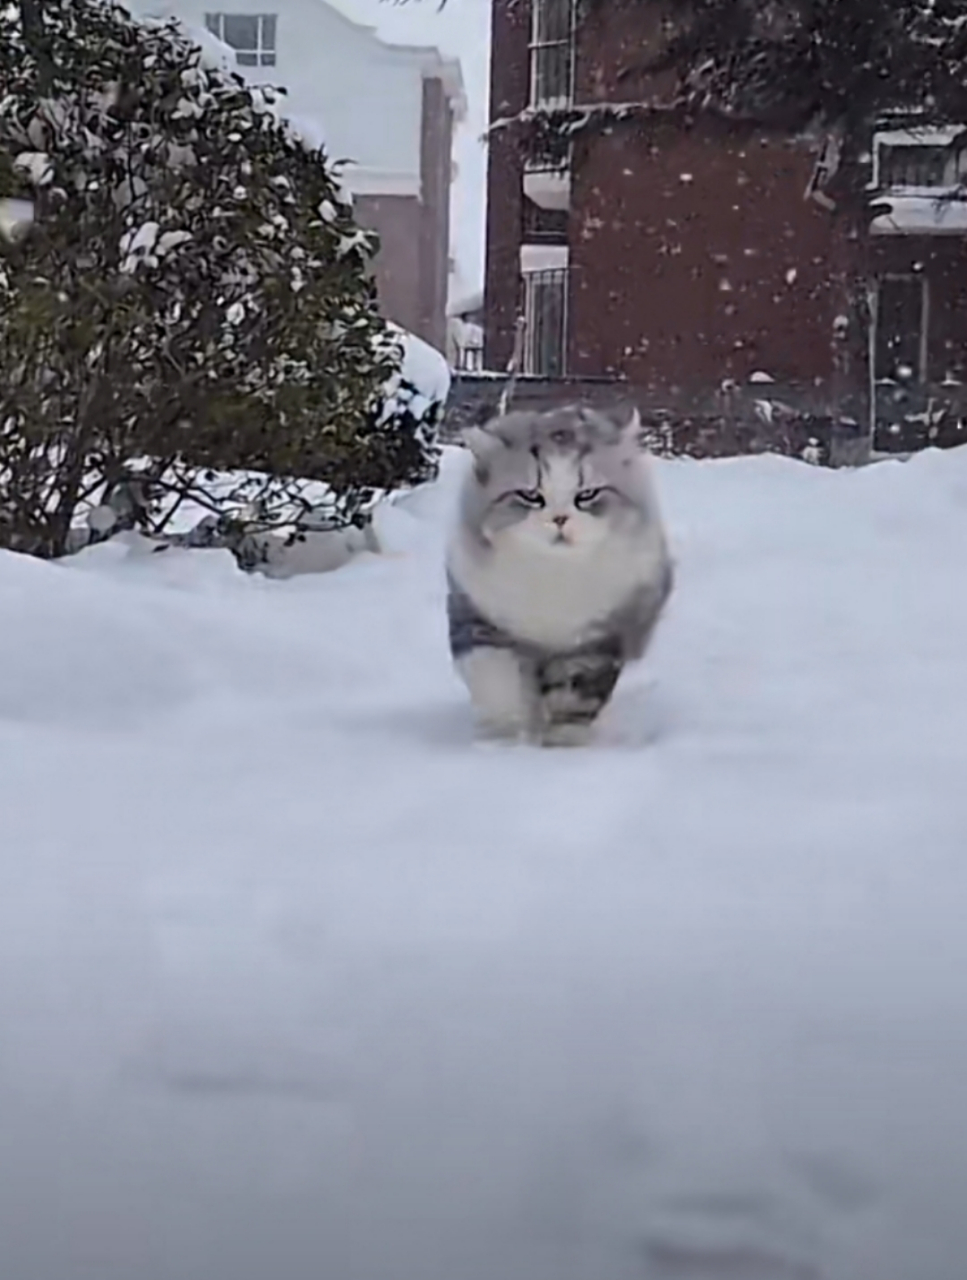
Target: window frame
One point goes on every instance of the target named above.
(888, 151)
(923, 342)
(922, 137)
(264, 54)
(543, 350)
(540, 48)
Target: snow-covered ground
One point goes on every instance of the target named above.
(299, 982)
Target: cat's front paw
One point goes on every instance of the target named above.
(491, 729)
(566, 734)
(501, 697)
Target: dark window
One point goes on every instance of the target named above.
(544, 226)
(900, 318)
(913, 166)
(545, 322)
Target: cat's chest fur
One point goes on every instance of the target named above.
(552, 599)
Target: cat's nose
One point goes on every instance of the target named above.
(560, 521)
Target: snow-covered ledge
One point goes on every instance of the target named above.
(543, 257)
(922, 214)
(548, 188)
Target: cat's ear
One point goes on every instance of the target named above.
(482, 444)
(631, 428)
(479, 441)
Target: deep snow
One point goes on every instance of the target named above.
(298, 981)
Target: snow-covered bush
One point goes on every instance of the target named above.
(193, 297)
(415, 401)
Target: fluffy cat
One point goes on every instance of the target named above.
(558, 569)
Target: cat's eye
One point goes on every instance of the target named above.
(587, 498)
(530, 497)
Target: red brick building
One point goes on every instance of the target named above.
(680, 258)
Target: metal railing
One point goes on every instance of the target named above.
(468, 359)
(545, 322)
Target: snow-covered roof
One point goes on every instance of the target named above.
(433, 64)
(919, 136)
(437, 66)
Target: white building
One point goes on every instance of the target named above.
(388, 110)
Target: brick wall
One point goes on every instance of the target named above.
(436, 165)
(398, 221)
(510, 26)
(412, 266)
(695, 258)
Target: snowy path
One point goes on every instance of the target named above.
(298, 982)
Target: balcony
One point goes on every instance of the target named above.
(547, 171)
(922, 215)
(548, 188)
(543, 225)
(920, 173)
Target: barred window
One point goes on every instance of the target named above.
(545, 322)
(552, 52)
(914, 166)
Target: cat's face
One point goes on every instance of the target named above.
(554, 501)
(563, 482)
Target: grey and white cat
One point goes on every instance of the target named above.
(558, 569)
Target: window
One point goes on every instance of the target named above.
(902, 320)
(545, 322)
(544, 226)
(251, 35)
(552, 52)
(914, 166)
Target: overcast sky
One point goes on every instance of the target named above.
(462, 29)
